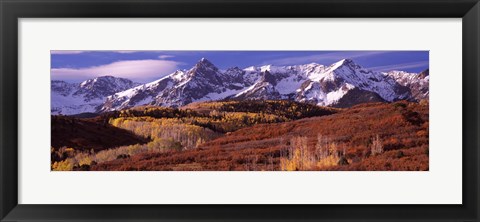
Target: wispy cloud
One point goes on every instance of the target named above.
(138, 70)
(165, 56)
(66, 52)
(401, 66)
(322, 58)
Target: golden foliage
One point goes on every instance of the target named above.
(302, 158)
(190, 136)
(65, 165)
(86, 158)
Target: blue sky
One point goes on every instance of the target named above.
(146, 66)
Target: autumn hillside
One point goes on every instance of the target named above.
(87, 134)
(73, 135)
(375, 136)
(82, 143)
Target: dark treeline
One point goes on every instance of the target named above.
(155, 112)
(289, 109)
(283, 108)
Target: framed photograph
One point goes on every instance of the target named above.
(226, 110)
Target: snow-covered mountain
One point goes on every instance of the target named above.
(313, 83)
(418, 84)
(341, 84)
(341, 78)
(73, 98)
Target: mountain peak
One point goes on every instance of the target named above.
(312, 64)
(204, 69)
(346, 62)
(266, 68)
(204, 64)
(204, 61)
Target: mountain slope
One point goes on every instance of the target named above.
(71, 98)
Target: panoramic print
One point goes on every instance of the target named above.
(239, 110)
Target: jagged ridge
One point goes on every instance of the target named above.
(311, 83)
(72, 98)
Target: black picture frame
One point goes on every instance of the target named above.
(11, 11)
